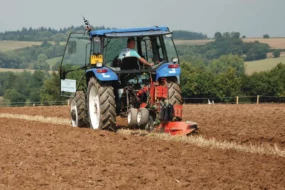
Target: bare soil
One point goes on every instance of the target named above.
(246, 124)
(36, 155)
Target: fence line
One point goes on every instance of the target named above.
(187, 100)
(235, 100)
(46, 103)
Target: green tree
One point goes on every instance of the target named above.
(276, 53)
(42, 58)
(226, 62)
(21, 82)
(15, 97)
(262, 84)
(50, 91)
(59, 37)
(227, 84)
(257, 51)
(218, 36)
(35, 95)
(45, 44)
(187, 35)
(266, 36)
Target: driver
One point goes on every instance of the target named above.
(131, 52)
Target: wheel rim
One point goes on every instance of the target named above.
(129, 117)
(139, 117)
(94, 108)
(73, 107)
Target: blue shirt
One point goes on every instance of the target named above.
(129, 53)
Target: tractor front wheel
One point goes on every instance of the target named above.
(78, 110)
(101, 105)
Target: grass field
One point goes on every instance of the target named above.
(262, 65)
(192, 42)
(8, 45)
(275, 43)
(18, 70)
(15, 70)
(53, 61)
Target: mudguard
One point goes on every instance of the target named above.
(103, 74)
(164, 71)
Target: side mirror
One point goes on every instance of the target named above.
(71, 47)
(62, 74)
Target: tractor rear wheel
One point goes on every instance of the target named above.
(174, 96)
(78, 110)
(174, 93)
(101, 105)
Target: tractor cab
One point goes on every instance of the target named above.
(154, 44)
(97, 53)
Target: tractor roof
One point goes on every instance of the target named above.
(128, 32)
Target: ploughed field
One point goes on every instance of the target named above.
(40, 154)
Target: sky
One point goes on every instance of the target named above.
(251, 18)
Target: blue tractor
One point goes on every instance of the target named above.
(103, 87)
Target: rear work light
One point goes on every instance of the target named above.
(102, 70)
(172, 66)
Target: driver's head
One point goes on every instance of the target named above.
(131, 43)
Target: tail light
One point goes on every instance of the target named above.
(172, 66)
(102, 70)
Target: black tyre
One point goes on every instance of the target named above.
(143, 117)
(174, 93)
(132, 117)
(101, 105)
(174, 96)
(78, 110)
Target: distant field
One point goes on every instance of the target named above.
(53, 61)
(8, 45)
(18, 70)
(192, 42)
(275, 43)
(262, 65)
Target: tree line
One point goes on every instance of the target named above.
(229, 43)
(225, 77)
(188, 35)
(220, 79)
(27, 87)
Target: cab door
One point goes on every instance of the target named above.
(75, 59)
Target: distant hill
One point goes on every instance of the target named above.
(8, 45)
(274, 43)
(188, 35)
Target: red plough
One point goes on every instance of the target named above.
(159, 114)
